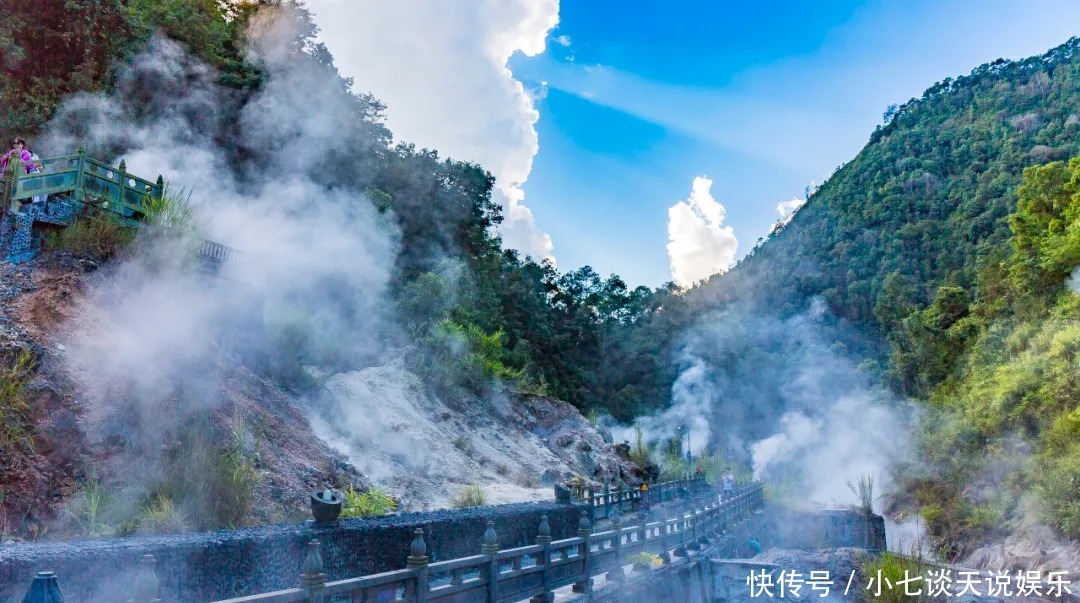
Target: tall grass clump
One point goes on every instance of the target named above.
(864, 494)
(172, 212)
(640, 454)
(161, 516)
(470, 496)
(15, 428)
(89, 510)
(232, 492)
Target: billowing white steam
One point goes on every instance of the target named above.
(318, 257)
(1073, 282)
(781, 397)
(441, 68)
(699, 245)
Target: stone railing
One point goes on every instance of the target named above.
(525, 573)
(602, 504)
(113, 187)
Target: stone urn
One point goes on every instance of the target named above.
(325, 506)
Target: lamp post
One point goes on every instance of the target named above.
(680, 430)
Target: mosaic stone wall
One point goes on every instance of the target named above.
(17, 228)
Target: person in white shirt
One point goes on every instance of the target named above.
(729, 484)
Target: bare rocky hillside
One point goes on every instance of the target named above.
(97, 457)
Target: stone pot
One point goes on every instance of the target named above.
(325, 505)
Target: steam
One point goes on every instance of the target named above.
(1073, 282)
(699, 246)
(782, 397)
(149, 353)
(443, 71)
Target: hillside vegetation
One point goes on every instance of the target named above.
(940, 253)
(942, 250)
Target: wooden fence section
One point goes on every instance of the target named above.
(529, 573)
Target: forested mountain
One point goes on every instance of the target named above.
(941, 265)
(942, 251)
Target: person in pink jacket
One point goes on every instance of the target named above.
(18, 149)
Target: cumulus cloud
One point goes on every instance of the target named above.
(563, 40)
(699, 246)
(441, 69)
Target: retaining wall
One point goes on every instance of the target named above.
(219, 565)
(824, 530)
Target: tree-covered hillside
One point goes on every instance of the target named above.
(947, 263)
(919, 208)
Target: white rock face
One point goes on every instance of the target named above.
(423, 450)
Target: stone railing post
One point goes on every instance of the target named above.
(543, 538)
(418, 560)
(491, 548)
(122, 177)
(584, 531)
(665, 539)
(607, 499)
(145, 586)
(80, 178)
(313, 580)
(616, 574)
(44, 589)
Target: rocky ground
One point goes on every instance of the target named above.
(379, 424)
(424, 449)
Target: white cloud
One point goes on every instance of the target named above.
(563, 40)
(441, 69)
(699, 246)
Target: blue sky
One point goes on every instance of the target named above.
(762, 98)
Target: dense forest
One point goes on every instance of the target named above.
(941, 253)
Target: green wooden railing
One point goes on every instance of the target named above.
(91, 181)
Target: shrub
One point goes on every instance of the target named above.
(15, 428)
(646, 558)
(469, 496)
(372, 503)
(467, 356)
(96, 236)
